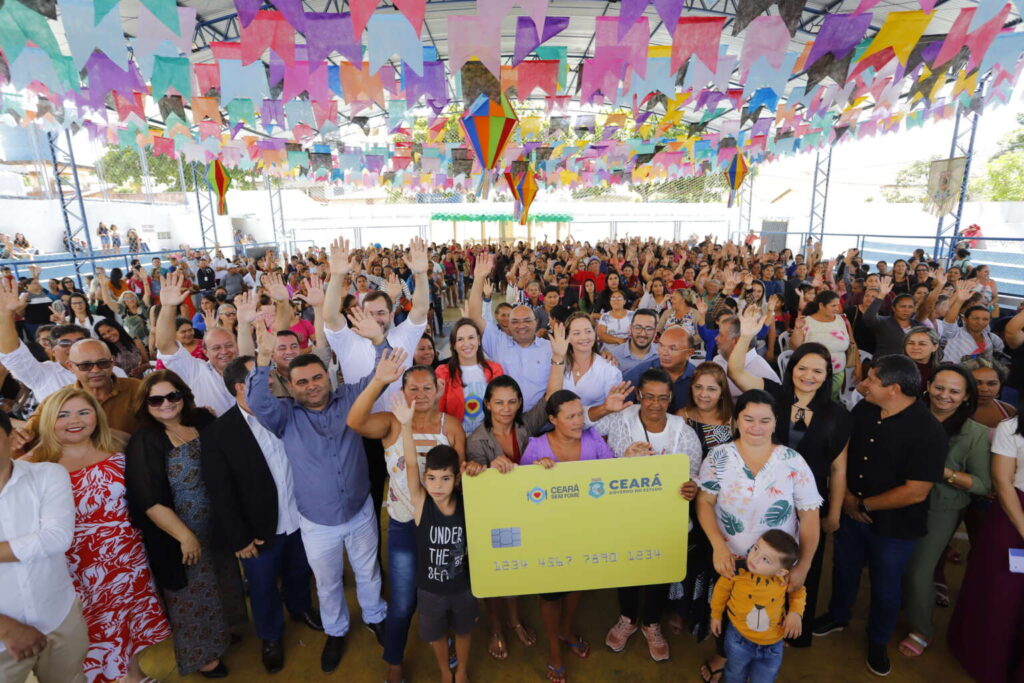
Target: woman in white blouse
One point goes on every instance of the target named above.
(637, 430)
(613, 326)
(587, 374)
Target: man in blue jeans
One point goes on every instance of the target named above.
(896, 454)
(247, 474)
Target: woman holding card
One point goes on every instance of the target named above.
(986, 630)
(569, 441)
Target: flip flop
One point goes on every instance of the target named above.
(580, 647)
(556, 674)
(941, 595)
(913, 645)
(525, 635)
(710, 678)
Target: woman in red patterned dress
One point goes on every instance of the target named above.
(107, 560)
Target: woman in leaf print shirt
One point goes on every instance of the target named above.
(752, 485)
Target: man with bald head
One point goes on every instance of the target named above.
(204, 377)
(674, 352)
(44, 378)
(93, 367)
(522, 354)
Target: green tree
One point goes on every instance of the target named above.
(1003, 180)
(911, 184)
(122, 169)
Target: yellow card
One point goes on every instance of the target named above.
(578, 526)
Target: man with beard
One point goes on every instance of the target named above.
(640, 349)
(205, 377)
(331, 482)
(356, 354)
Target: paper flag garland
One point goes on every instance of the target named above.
(217, 177)
(488, 126)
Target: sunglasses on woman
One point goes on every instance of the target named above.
(156, 401)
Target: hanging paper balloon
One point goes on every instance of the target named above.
(524, 189)
(219, 181)
(735, 175)
(488, 126)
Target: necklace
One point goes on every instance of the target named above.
(178, 434)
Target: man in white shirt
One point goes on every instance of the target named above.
(44, 378)
(41, 626)
(204, 377)
(249, 479)
(728, 333)
(356, 354)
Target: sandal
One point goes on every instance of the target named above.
(556, 674)
(913, 645)
(578, 646)
(526, 636)
(941, 595)
(496, 647)
(709, 677)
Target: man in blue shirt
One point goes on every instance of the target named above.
(674, 353)
(332, 485)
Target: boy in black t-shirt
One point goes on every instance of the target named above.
(442, 574)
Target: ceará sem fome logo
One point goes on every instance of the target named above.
(536, 495)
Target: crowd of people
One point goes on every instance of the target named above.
(168, 432)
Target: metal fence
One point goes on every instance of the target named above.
(67, 265)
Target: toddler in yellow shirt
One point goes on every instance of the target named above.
(756, 602)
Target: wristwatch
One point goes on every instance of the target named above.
(951, 479)
(557, 362)
(861, 507)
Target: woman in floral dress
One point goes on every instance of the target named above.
(107, 560)
(752, 485)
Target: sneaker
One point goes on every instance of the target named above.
(619, 634)
(656, 643)
(826, 624)
(878, 659)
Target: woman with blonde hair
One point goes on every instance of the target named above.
(107, 560)
(587, 374)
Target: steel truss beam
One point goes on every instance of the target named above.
(819, 192)
(277, 213)
(965, 127)
(204, 205)
(746, 204)
(72, 205)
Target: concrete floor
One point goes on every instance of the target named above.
(838, 657)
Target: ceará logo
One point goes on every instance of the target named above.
(536, 495)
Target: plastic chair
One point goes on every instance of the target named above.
(783, 361)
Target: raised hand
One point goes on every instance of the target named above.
(363, 324)
(701, 305)
(485, 265)
(417, 258)
(9, 299)
(314, 295)
(340, 257)
(884, 287)
(559, 341)
(247, 307)
(275, 286)
(964, 290)
(391, 367)
(616, 401)
(751, 321)
(401, 409)
(393, 287)
(488, 288)
(172, 289)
